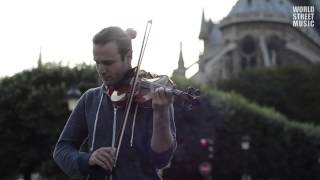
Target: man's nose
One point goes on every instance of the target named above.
(103, 69)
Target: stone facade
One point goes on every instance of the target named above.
(256, 33)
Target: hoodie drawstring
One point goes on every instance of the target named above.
(133, 125)
(95, 124)
(114, 127)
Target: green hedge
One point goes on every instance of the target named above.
(33, 107)
(279, 148)
(294, 91)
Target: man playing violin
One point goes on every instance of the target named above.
(149, 139)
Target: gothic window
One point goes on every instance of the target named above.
(274, 42)
(248, 45)
(229, 63)
(276, 46)
(248, 52)
(253, 62)
(279, 62)
(243, 63)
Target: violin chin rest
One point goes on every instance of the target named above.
(116, 96)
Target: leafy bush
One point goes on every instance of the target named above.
(294, 91)
(279, 148)
(33, 111)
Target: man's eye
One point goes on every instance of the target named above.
(107, 63)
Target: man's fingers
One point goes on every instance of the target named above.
(108, 150)
(103, 157)
(105, 161)
(100, 163)
(159, 92)
(162, 93)
(168, 92)
(108, 156)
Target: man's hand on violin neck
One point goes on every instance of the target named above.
(103, 157)
(161, 98)
(162, 138)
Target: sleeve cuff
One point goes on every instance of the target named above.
(162, 159)
(83, 162)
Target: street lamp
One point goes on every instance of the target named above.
(205, 170)
(245, 177)
(245, 145)
(245, 142)
(73, 94)
(205, 167)
(208, 143)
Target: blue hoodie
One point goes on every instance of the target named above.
(97, 121)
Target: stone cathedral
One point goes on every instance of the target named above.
(255, 33)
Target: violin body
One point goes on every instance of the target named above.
(142, 94)
(146, 83)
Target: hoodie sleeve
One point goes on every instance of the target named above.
(162, 159)
(66, 153)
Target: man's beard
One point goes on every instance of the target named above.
(123, 79)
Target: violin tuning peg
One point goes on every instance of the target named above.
(196, 102)
(190, 90)
(197, 92)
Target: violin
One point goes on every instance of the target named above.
(137, 88)
(145, 85)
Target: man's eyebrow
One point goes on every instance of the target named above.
(109, 60)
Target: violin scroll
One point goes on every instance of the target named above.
(193, 98)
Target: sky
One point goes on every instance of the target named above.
(63, 30)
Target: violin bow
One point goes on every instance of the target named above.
(133, 88)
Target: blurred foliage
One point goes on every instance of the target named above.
(34, 110)
(294, 91)
(279, 148)
(33, 107)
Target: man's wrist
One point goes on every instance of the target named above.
(83, 162)
(161, 107)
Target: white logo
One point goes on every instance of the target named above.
(303, 16)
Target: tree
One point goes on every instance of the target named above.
(33, 112)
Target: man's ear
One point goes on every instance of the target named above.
(128, 57)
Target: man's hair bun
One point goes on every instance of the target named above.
(131, 33)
